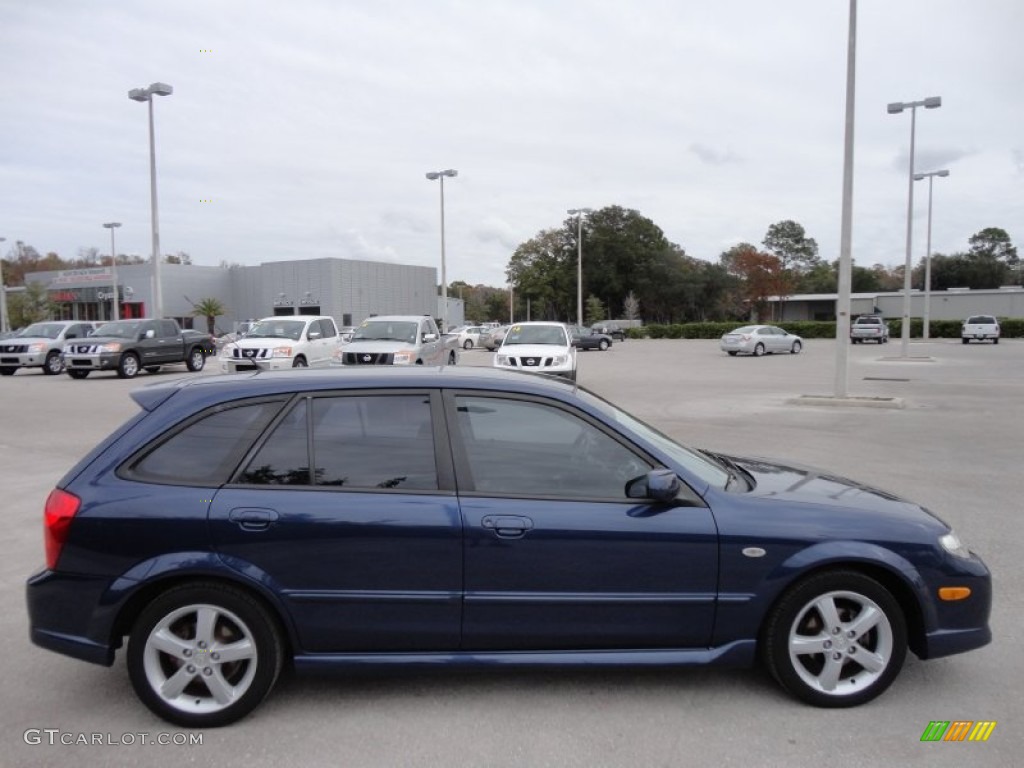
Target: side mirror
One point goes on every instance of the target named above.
(314, 335)
(150, 334)
(659, 484)
(429, 337)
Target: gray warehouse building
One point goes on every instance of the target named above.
(349, 290)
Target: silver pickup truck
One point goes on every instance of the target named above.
(869, 328)
(41, 346)
(398, 340)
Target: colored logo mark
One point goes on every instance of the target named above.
(958, 730)
(206, 200)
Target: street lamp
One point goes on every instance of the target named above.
(433, 176)
(579, 213)
(928, 253)
(894, 109)
(146, 94)
(4, 322)
(112, 225)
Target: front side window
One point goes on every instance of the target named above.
(358, 441)
(522, 447)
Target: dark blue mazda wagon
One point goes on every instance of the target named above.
(472, 516)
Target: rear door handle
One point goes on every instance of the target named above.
(508, 526)
(253, 518)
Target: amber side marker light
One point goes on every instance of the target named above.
(954, 593)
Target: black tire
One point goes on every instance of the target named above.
(77, 374)
(300, 362)
(452, 358)
(796, 623)
(966, 341)
(152, 368)
(759, 350)
(467, 344)
(196, 359)
(7, 371)
(995, 341)
(795, 349)
(733, 354)
(247, 677)
(128, 366)
(603, 345)
(54, 364)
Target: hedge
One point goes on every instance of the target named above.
(1010, 328)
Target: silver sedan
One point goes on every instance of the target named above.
(760, 340)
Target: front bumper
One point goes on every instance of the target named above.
(235, 365)
(22, 360)
(106, 361)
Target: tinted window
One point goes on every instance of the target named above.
(359, 441)
(534, 449)
(167, 329)
(206, 451)
(327, 329)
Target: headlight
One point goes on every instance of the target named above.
(282, 352)
(403, 358)
(35, 349)
(559, 359)
(952, 544)
(114, 346)
(502, 359)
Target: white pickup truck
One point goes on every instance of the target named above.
(287, 341)
(981, 328)
(398, 340)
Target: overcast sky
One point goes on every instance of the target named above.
(304, 128)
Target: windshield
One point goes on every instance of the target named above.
(118, 330)
(276, 329)
(535, 334)
(386, 330)
(697, 463)
(42, 330)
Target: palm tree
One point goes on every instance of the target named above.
(210, 309)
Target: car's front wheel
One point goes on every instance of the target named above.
(128, 366)
(795, 349)
(299, 362)
(603, 346)
(467, 344)
(7, 370)
(837, 639)
(451, 358)
(204, 655)
(77, 374)
(196, 360)
(54, 364)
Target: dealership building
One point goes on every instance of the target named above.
(349, 290)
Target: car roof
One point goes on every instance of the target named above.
(200, 392)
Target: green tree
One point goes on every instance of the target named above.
(994, 243)
(29, 306)
(543, 270)
(211, 309)
(594, 311)
(788, 242)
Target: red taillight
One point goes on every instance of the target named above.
(60, 509)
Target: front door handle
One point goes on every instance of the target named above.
(508, 526)
(253, 518)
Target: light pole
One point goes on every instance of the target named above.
(146, 94)
(579, 213)
(894, 109)
(928, 252)
(112, 225)
(846, 223)
(5, 324)
(433, 176)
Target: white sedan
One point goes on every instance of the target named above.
(760, 340)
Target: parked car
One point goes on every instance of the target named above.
(616, 332)
(588, 338)
(41, 345)
(468, 335)
(980, 328)
(287, 341)
(869, 328)
(760, 340)
(130, 346)
(398, 340)
(538, 347)
(470, 516)
(493, 338)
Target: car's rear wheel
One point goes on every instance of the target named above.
(128, 366)
(77, 374)
(299, 362)
(795, 349)
(733, 354)
(54, 364)
(204, 655)
(837, 639)
(759, 350)
(995, 341)
(196, 360)
(966, 341)
(152, 369)
(451, 358)
(467, 344)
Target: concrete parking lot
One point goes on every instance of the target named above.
(955, 447)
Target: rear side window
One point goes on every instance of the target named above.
(206, 451)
